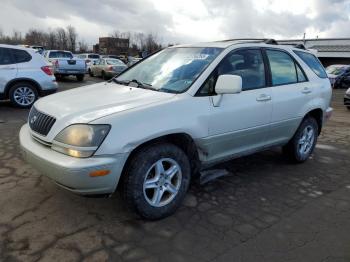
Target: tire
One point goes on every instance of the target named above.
(301, 146)
(103, 75)
(91, 73)
(58, 77)
(23, 94)
(143, 166)
(80, 78)
(348, 107)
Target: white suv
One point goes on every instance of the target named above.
(24, 75)
(185, 108)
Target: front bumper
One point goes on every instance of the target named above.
(69, 172)
(328, 114)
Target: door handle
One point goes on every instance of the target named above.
(263, 97)
(306, 90)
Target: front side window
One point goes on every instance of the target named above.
(246, 63)
(173, 69)
(5, 56)
(21, 56)
(283, 70)
(313, 63)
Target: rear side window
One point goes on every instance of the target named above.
(313, 63)
(5, 56)
(282, 66)
(21, 56)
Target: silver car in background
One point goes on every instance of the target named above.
(107, 68)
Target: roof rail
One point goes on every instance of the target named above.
(299, 46)
(257, 40)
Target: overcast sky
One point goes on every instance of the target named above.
(182, 21)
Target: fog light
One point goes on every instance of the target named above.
(99, 173)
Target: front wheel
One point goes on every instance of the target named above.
(301, 146)
(348, 107)
(156, 180)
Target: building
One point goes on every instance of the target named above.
(329, 50)
(112, 46)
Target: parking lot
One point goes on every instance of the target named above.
(265, 209)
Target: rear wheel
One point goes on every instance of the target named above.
(156, 180)
(80, 77)
(91, 73)
(23, 94)
(103, 75)
(301, 146)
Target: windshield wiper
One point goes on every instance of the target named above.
(125, 83)
(137, 82)
(142, 85)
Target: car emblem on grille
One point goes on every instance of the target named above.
(33, 119)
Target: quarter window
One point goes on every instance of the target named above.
(21, 56)
(313, 63)
(282, 68)
(5, 56)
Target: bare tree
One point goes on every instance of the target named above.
(62, 38)
(72, 38)
(83, 47)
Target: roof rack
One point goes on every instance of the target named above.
(300, 46)
(255, 40)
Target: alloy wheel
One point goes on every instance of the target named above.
(24, 96)
(162, 182)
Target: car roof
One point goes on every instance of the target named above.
(19, 47)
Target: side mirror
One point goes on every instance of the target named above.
(228, 84)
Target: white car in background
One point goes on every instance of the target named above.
(185, 108)
(89, 58)
(24, 75)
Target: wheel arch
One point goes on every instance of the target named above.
(317, 114)
(182, 140)
(18, 80)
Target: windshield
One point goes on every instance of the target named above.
(335, 70)
(114, 62)
(173, 69)
(60, 54)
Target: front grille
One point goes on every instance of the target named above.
(40, 122)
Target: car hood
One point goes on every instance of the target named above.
(85, 104)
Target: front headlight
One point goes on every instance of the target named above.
(80, 140)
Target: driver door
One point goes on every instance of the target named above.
(239, 124)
